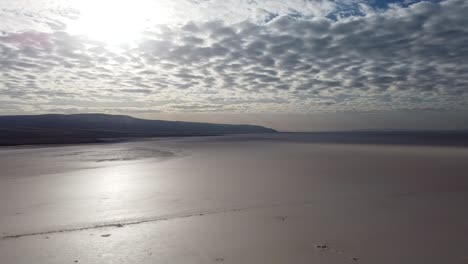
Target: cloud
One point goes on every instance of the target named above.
(298, 60)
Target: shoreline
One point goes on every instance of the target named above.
(457, 139)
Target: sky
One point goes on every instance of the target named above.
(294, 65)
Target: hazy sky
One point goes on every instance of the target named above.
(289, 64)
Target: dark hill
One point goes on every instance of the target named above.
(81, 128)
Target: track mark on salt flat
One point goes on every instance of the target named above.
(157, 219)
(129, 223)
(325, 249)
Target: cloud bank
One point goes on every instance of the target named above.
(263, 56)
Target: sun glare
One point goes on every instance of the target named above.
(117, 21)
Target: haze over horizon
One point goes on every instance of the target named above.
(297, 65)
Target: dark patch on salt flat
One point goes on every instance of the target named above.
(116, 154)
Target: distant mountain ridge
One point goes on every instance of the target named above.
(80, 128)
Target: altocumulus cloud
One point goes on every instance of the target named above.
(280, 57)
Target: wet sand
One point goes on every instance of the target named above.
(233, 200)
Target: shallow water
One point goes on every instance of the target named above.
(233, 200)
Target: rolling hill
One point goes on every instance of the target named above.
(87, 128)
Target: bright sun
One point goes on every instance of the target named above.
(118, 21)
